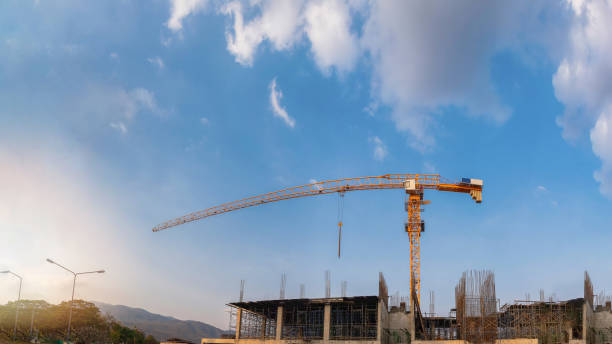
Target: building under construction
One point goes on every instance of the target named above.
(476, 318)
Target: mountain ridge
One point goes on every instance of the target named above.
(159, 326)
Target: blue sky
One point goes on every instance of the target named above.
(119, 115)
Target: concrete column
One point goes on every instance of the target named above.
(413, 327)
(326, 322)
(238, 318)
(586, 317)
(412, 320)
(379, 322)
(279, 322)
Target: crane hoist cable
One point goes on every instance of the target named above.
(340, 216)
(413, 185)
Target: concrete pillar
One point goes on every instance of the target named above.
(279, 322)
(587, 312)
(379, 321)
(326, 322)
(412, 325)
(238, 321)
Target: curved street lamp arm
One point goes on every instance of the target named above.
(90, 272)
(61, 266)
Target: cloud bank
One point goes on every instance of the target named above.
(419, 67)
(583, 83)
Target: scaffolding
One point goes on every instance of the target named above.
(550, 322)
(258, 322)
(350, 318)
(303, 320)
(354, 320)
(440, 328)
(233, 315)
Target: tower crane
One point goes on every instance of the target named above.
(413, 184)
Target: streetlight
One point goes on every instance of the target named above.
(73, 284)
(18, 299)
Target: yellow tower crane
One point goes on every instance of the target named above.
(413, 184)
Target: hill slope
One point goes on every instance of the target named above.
(159, 326)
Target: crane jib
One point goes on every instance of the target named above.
(387, 181)
(413, 184)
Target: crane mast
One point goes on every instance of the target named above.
(413, 184)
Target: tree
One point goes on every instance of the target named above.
(120, 334)
(150, 340)
(48, 323)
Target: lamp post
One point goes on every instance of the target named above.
(75, 274)
(18, 299)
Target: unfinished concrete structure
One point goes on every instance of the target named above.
(382, 320)
(363, 319)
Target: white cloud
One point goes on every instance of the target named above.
(328, 24)
(278, 22)
(583, 82)
(156, 61)
(119, 126)
(421, 67)
(314, 181)
(601, 139)
(540, 191)
(112, 106)
(380, 149)
(371, 108)
(544, 195)
(181, 9)
(204, 121)
(246, 38)
(277, 109)
(137, 100)
(577, 5)
(428, 167)
(165, 41)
